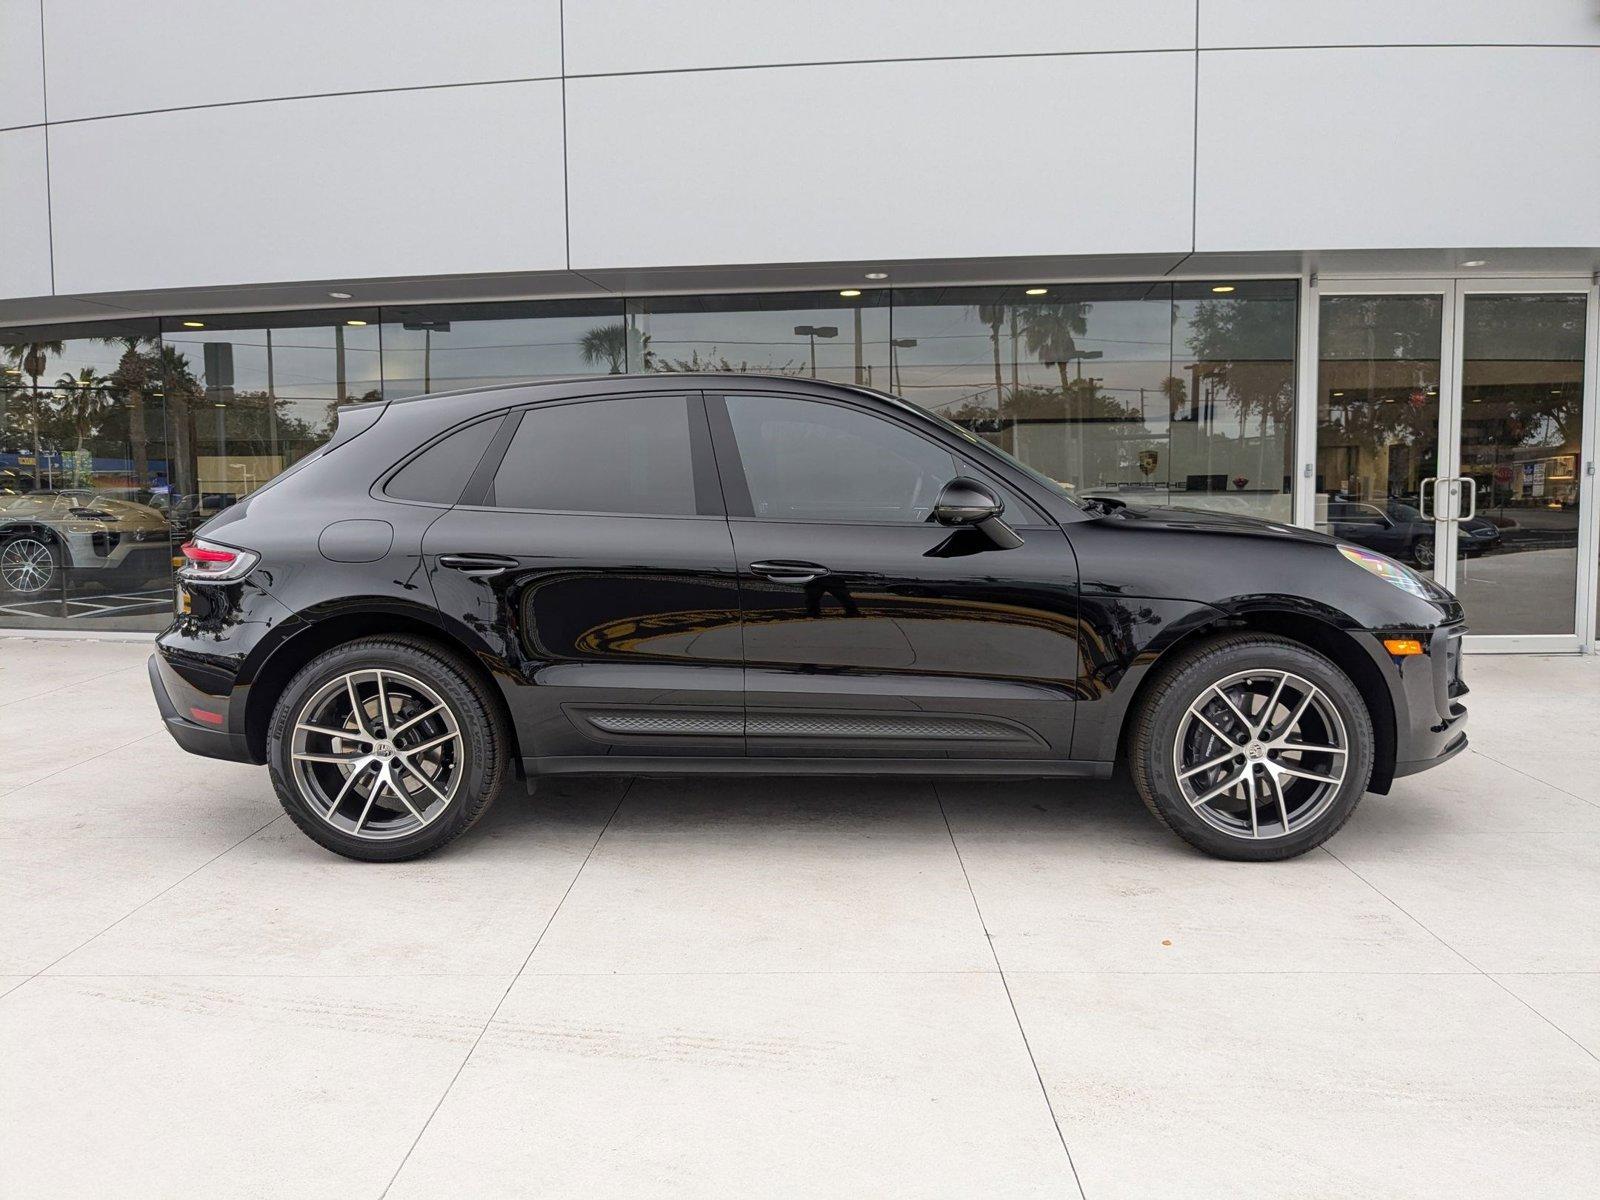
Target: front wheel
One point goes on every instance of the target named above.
(1252, 747)
(28, 563)
(385, 749)
(1422, 552)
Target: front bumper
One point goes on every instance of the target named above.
(190, 734)
(1430, 720)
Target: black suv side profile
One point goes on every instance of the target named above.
(769, 575)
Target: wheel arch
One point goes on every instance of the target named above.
(318, 634)
(1313, 632)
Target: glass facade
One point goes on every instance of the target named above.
(117, 439)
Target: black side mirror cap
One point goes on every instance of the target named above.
(966, 502)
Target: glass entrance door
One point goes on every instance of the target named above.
(1451, 436)
(1517, 445)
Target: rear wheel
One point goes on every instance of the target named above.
(386, 749)
(1252, 747)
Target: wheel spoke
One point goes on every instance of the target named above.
(428, 783)
(1250, 801)
(1299, 711)
(405, 725)
(399, 791)
(1209, 724)
(1277, 790)
(377, 786)
(1207, 766)
(358, 713)
(1234, 709)
(1309, 749)
(345, 790)
(348, 735)
(1208, 797)
(1299, 774)
(383, 704)
(304, 756)
(440, 740)
(1272, 703)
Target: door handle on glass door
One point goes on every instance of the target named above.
(1424, 491)
(788, 572)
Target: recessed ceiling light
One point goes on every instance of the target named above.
(194, 324)
(1037, 292)
(1475, 262)
(355, 322)
(1338, 393)
(850, 293)
(877, 274)
(341, 295)
(1222, 289)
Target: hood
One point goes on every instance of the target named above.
(1199, 520)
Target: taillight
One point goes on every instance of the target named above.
(209, 562)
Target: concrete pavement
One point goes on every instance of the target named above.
(791, 988)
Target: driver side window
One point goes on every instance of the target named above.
(808, 460)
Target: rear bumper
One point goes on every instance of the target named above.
(191, 735)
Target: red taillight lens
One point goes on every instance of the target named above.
(196, 553)
(210, 562)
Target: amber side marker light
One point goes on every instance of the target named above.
(1402, 647)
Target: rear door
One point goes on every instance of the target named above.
(869, 630)
(591, 560)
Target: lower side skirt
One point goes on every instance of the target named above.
(947, 768)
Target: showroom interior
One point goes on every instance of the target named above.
(1444, 421)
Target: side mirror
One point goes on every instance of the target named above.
(966, 502)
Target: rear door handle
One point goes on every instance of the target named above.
(788, 572)
(477, 565)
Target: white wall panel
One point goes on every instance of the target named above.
(112, 56)
(24, 215)
(1371, 148)
(1228, 23)
(1081, 154)
(398, 183)
(660, 35)
(21, 64)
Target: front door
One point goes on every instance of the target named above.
(868, 630)
(1450, 427)
(595, 573)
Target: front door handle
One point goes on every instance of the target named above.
(788, 572)
(479, 566)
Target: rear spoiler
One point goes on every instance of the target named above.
(353, 419)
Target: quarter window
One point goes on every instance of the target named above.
(625, 455)
(437, 475)
(809, 461)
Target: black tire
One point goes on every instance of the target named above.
(1422, 552)
(483, 744)
(29, 563)
(1159, 722)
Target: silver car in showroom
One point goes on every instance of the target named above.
(41, 533)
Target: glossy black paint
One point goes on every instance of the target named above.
(725, 641)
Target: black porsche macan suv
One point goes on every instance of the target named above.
(757, 575)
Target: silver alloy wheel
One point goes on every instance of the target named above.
(377, 754)
(1261, 754)
(27, 564)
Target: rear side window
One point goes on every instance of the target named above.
(623, 455)
(440, 472)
